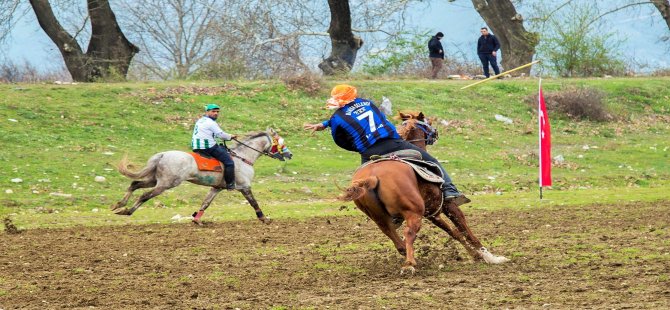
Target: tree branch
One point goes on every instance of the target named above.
(616, 10)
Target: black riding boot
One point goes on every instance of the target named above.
(450, 195)
(229, 177)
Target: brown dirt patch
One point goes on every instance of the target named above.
(602, 256)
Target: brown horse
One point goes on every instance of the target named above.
(389, 192)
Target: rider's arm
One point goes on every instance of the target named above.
(216, 130)
(325, 123)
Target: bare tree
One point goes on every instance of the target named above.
(280, 35)
(176, 35)
(7, 18)
(264, 38)
(517, 44)
(109, 52)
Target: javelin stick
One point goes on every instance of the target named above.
(508, 71)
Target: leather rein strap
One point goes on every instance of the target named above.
(429, 133)
(246, 161)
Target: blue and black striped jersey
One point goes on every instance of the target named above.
(358, 125)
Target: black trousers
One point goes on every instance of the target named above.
(486, 59)
(391, 145)
(219, 152)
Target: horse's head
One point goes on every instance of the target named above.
(278, 148)
(416, 128)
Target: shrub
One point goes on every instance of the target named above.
(661, 72)
(574, 46)
(577, 103)
(307, 82)
(11, 72)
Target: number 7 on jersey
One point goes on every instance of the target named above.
(371, 120)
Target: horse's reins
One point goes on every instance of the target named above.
(429, 135)
(248, 162)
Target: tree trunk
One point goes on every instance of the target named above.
(344, 45)
(663, 6)
(517, 44)
(109, 52)
(108, 49)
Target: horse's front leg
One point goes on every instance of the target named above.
(252, 201)
(205, 204)
(454, 213)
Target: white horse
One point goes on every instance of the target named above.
(166, 170)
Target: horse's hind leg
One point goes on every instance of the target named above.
(252, 201)
(386, 225)
(135, 185)
(146, 196)
(454, 233)
(205, 204)
(455, 214)
(410, 232)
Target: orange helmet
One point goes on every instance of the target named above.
(340, 96)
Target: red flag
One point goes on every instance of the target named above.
(545, 141)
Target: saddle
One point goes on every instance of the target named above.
(206, 163)
(426, 170)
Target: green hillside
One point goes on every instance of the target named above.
(58, 138)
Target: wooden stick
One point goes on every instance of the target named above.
(508, 71)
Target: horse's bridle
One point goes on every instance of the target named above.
(274, 145)
(431, 133)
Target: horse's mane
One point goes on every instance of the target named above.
(249, 137)
(254, 135)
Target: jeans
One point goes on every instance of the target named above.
(386, 146)
(486, 59)
(219, 152)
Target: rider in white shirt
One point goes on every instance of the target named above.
(204, 133)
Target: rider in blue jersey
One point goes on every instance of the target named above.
(359, 126)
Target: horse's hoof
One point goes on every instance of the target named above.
(265, 220)
(408, 270)
(116, 206)
(496, 260)
(492, 259)
(197, 222)
(122, 211)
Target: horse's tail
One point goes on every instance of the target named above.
(359, 188)
(148, 171)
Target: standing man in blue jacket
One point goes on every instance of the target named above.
(436, 54)
(487, 48)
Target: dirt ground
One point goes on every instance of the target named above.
(601, 256)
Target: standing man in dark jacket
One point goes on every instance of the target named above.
(436, 54)
(487, 46)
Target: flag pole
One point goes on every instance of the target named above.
(539, 134)
(501, 74)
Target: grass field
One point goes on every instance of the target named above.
(599, 239)
(58, 138)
